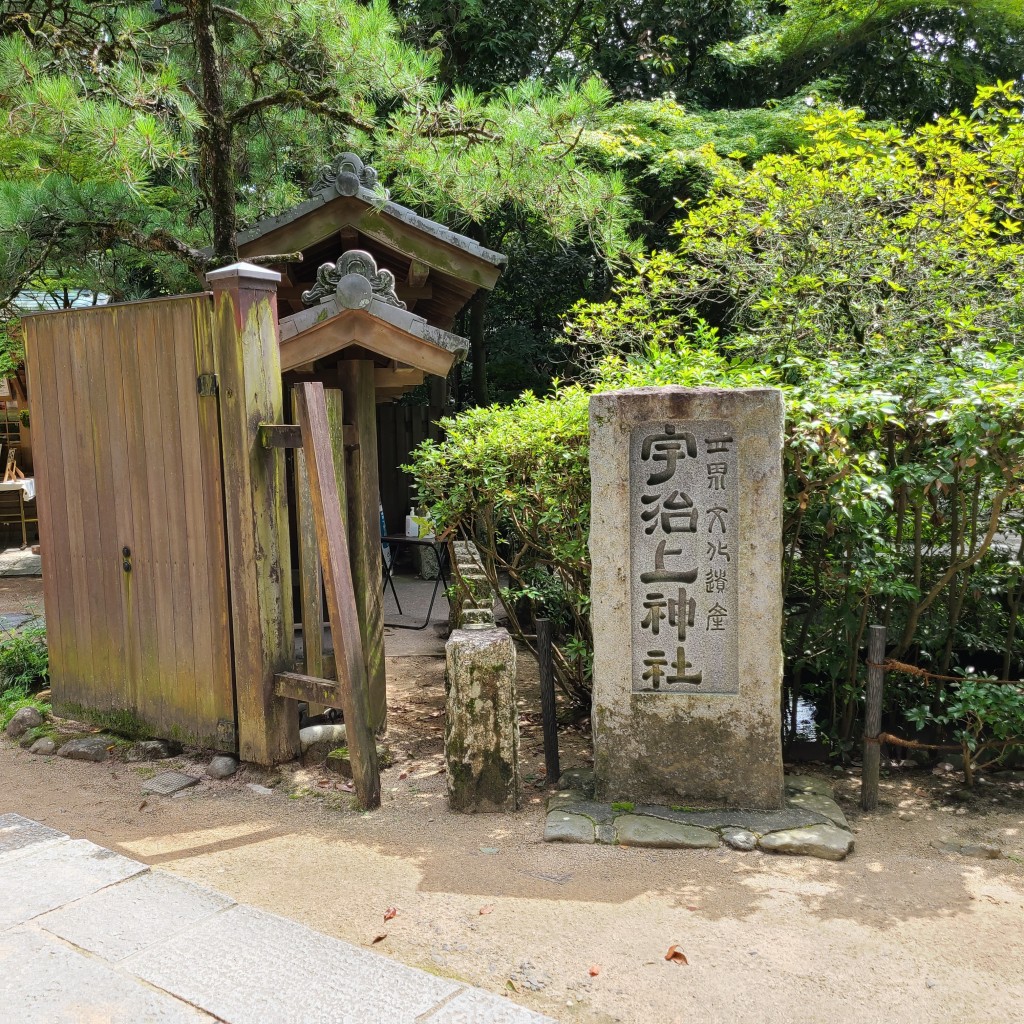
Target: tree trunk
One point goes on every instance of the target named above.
(220, 174)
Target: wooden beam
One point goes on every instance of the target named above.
(326, 495)
(255, 497)
(418, 274)
(409, 294)
(356, 379)
(314, 690)
(349, 237)
(405, 377)
(288, 435)
(280, 435)
(357, 327)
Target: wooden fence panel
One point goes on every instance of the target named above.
(132, 528)
(400, 428)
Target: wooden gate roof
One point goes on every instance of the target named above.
(437, 270)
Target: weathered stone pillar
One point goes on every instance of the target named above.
(686, 544)
(481, 736)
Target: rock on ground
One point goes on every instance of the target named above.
(153, 750)
(562, 827)
(223, 766)
(88, 748)
(739, 838)
(23, 720)
(828, 842)
(43, 745)
(639, 830)
(317, 741)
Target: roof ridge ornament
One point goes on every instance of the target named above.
(344, 175)
(354, 281)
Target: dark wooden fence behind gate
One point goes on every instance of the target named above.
(128, 462)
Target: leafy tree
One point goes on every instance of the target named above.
(877, 278)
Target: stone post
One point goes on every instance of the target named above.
(481, 737)
(686, 545)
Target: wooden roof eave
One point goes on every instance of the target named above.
(392, 225)
(324, 331)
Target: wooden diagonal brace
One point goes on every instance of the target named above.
(326, 498)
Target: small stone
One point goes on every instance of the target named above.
(339, 760)
(739, 838)
(223, 766)
(262, 790)
(43, 745)
(23, 720)
(89, 748)
(942, 768)
(983, 851)
(943, 846)
(809, 784)
(560, 827)
(317, 741)
(153, 750)
(640, 830)
(905, 816)
(818, 804)
(828, 842)
(930, 984)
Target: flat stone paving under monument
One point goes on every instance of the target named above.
(811, 824)
(89, 935)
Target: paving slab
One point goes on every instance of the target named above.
(43, 981)
(471, 1006)
(18, 833)
(56, 874)
(124, 919)
(169, 783)
(250, 967)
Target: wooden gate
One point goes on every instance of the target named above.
(128, 463)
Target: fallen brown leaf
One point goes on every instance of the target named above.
(402, 775)
(594, 970)
(379, 938)
(390, 913)
(676, 955)
(486, 910)
(143, 805)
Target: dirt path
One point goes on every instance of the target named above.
(899, 931)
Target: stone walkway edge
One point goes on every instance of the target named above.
(87, 934)
(811, 824)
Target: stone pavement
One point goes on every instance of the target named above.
(89, 935)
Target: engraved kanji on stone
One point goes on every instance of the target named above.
(715, 581)
(663, 575)
(716, 618)
(681, 665)
(718, 444)
(716, 475)
(718, 549)
(678, 610)
(717, 515)
(677, 513)
(654, 668)
(666, 447)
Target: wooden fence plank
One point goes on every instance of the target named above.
(325, 492)
(315, 690)
(51, 502)
(363, 498)
(310, 590)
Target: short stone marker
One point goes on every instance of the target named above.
(169, 783)
(481, 739)
(686, 545)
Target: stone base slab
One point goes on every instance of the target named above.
(811, 824)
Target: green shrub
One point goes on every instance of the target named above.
(878, 280)
(24, 659)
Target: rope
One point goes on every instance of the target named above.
(891, 665)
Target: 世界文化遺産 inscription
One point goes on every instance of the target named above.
(684, 541)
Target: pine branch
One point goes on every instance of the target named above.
(314, 103)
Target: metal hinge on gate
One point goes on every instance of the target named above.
(206, 384)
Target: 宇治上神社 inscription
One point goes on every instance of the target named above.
(684, 554)
(686, 595)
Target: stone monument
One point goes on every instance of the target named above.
(686, 544)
